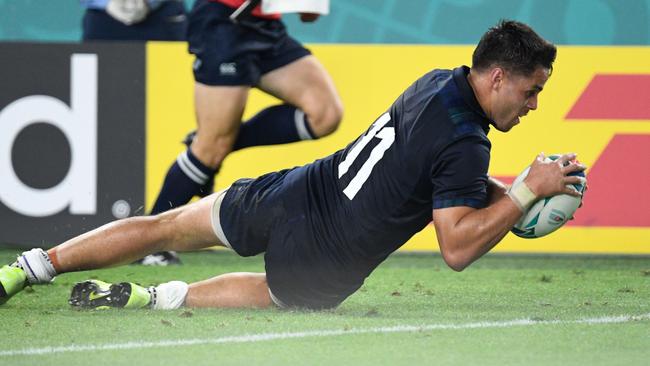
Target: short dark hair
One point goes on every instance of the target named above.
(515, 47)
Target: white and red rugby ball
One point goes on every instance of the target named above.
(548, 214)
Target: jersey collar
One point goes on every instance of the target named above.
(460, 78)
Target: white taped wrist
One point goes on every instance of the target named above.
(37, 266)
(522, 196)
(169, 296)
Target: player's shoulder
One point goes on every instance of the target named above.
(428, 85)
(416, 99)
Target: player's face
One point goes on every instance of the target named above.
(516, 95)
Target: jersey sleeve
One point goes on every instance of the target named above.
(459, 176)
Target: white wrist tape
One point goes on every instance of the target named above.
(522, 196)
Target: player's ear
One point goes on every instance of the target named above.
(496, 77)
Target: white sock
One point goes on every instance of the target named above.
(37, 266)
(168, 296)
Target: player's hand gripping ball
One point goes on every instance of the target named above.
(548, 214)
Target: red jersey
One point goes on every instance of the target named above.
(256, 12)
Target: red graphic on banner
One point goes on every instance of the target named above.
(618, 192)
(618, 182)
(506, 179)
(614, 97)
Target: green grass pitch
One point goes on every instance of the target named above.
(413, 310)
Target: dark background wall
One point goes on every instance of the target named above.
(44, 144)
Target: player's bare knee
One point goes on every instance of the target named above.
(211, 152)
(325, 119)
(335, 115)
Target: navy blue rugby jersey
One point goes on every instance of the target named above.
(429, 150)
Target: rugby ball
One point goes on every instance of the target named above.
(548, 214)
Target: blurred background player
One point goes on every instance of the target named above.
(231, 58)
(134, 20)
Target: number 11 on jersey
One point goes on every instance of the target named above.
(387, 136)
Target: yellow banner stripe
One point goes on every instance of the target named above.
(369, 78)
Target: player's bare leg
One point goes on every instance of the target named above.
(185, 228)
(231, 290)
(190, 228)
(312, 109)
(219, 110)
(306, 84)
(218, 113)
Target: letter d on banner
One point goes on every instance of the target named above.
(78, 122)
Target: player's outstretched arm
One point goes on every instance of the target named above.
(465, 233)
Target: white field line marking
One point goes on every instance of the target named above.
(251, 338)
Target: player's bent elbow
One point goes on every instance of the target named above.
(452, 252)
(455, 259)
(457, 266)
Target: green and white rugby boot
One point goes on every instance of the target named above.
(95, 294)
(12, 281)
